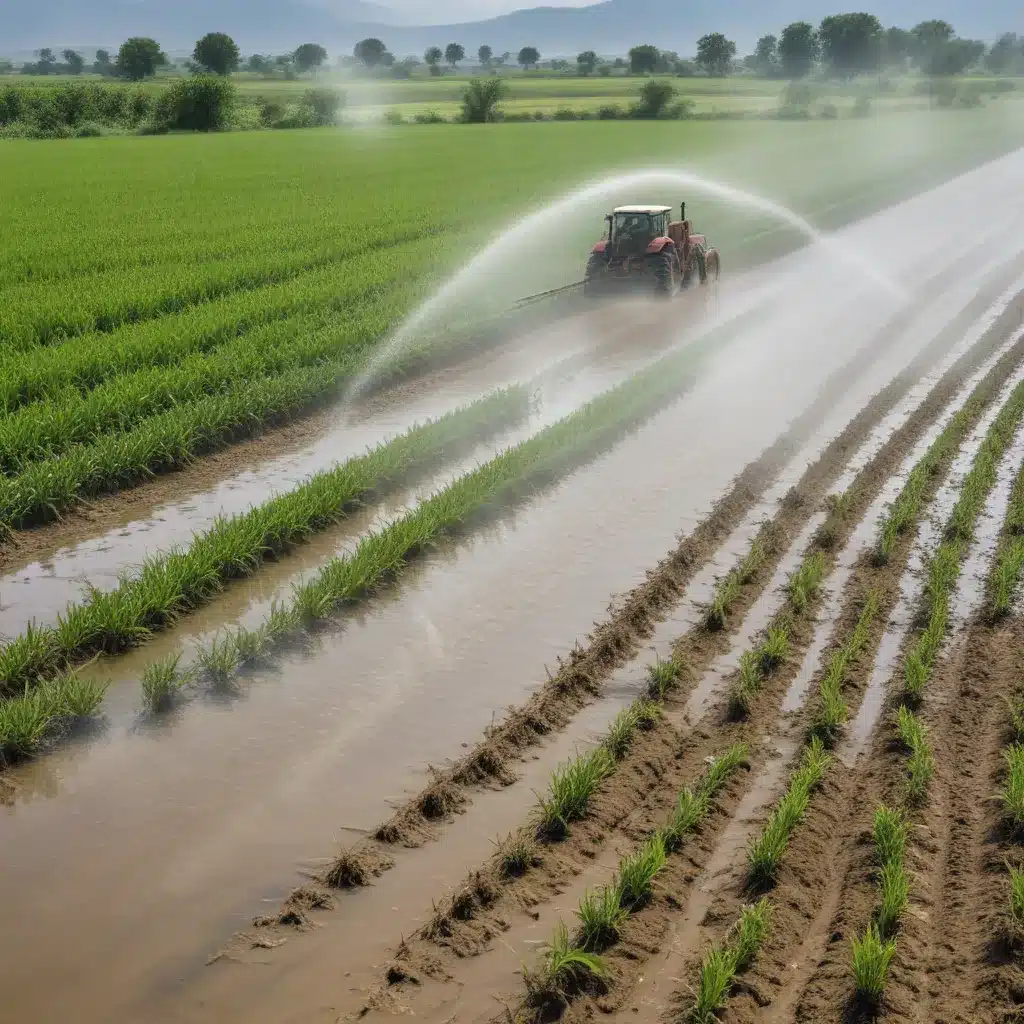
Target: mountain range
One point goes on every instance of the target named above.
(610, 27)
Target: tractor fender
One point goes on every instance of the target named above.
(600, 246)
(659, 245)
(700, 240)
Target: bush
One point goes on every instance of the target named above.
(88, 130)
(610, 112)
(393, 117)
(323, 105)
(270, 112)
(430, 117)
(680, 110)
(480, 100)
(655, 97)
(539, 115)
(200, 104)
(11, 104)
(565, 114)
(829, 111)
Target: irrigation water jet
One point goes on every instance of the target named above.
(490, 260)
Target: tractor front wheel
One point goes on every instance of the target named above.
(592, 277)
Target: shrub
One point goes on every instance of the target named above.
(201, 103)
(609, 112)
(430, 117)
(862, 106)
(393, 117)
(480, 100)
(323, 105)
(655, 97)
(565, 114)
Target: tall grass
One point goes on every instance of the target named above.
(169, 585)
(29, 720)
(872, 956)
(831, 710)
(720, 966)
(766, 851)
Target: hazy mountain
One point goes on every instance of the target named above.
(609, 28)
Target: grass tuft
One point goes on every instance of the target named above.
(663, 676)
(637, 872)
(872, 956)
(695, 802)
(571, 788)
(601, 915)
(563, 966)
(162, 682)
(920, 762)
(1012, 792)
(731, 585)
(806, 581)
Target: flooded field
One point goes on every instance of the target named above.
(791, 538)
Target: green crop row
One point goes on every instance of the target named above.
(86, 360)
(1010, 555)
(602, 912)
(50, 428)
(43, 313)
(872, 951)
(380, 556)
(172, 584)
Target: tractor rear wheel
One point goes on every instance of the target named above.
(666, 273)
(713, 266)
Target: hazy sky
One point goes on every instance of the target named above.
(440, 11)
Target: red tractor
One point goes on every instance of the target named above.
(643, 247)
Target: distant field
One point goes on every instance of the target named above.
(175, 290)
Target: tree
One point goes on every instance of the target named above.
(139, 57)
(655, 97)
(453, 53)
(47, 64)
(851, 44)
(930, 36)
(74, 61)
(216, 52)
(1005, 55)
(101, 64)
(506, 57)
(897, 47)
(586, 62)
(432, 58)
(481, 98)
(370, 52)
(484, 55)
(308, 57)
(715, 54)
(765, 58)
(798, 50)
(259, 64)
(528, 57)
(954, 57)
(642, 59)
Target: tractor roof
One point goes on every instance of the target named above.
(642, 209)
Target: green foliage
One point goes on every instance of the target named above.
(715, 54)
(1016, 900)
(601, 915)
(655, 100)
(570, 790)
(308, 57)
(217, 53)
(803, 585)
(637, 872)
(872, 956)
(662, 676)
(200, 104)
(138, 58)
(695, 802)
(162, 681)
(480, 101)
(1012, 792)
(563, 965)
(920, 761)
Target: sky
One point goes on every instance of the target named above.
(440, 11)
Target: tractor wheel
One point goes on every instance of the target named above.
(592, 283)
(714, 267)
(666, 273)
(697, 270)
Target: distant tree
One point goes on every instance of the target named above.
(453, 53)
(101, 64)
(954, 57)
(139, 57)
(405, 67)
(47, 63)
(715, 54)
(432, 58)
(528, 57)
(765, 58)
(586, 62)
(370, 52)
(484, 55)
(851, 44)
(216, 52)
(620, 63)
(481, 98)
(308, 57)
(667, 63)
(259, 64)
(1006, 54)
(74, 61)
(506, 57)
(929, 36)
(604, 70)
(897, 47)
(6, 67)
(798, 50)
(642, 59)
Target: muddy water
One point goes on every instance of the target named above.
(160, 842)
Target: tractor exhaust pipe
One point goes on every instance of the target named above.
(682, 211)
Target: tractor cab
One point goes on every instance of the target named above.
(631, 229)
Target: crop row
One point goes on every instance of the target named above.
(381, 555)
(86, 360)
(44, 313)
(873, 950)
(49, 428)
(603, 912)
(171, 584)
(1010, 554)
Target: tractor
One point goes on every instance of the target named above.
(644, 248)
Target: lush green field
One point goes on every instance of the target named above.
(161, 295)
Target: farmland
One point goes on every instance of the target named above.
(659, 661)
